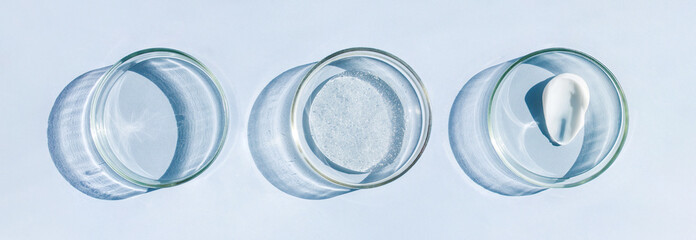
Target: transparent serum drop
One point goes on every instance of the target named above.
(565, 100)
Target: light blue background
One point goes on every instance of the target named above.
(648, 193)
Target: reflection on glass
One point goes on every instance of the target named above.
(155, 119)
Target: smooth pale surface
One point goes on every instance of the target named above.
(565, 101)
(647, 193)
(141, 124)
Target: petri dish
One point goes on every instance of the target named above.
(361, 117)
(517, 129)
(157, 118)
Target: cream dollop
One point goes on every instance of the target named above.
(565, 100)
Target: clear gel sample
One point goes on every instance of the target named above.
(357, 121)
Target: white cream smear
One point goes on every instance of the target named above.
(565, 100)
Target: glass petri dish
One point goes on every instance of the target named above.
(158, 117)
(517, 132)
(360, 118)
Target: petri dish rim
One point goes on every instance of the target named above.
(95, 121)
(550, 182)
(392, 60)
